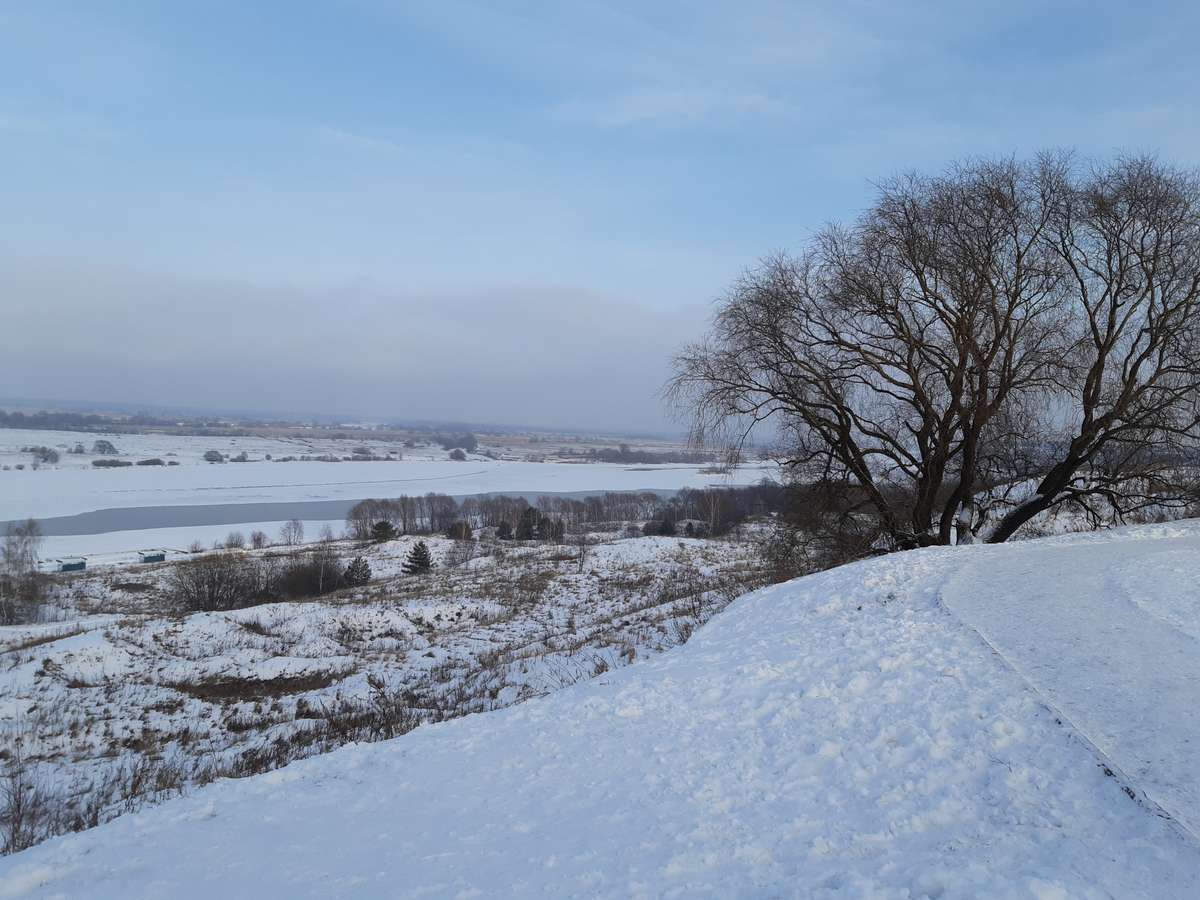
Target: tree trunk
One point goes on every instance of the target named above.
(966, 515)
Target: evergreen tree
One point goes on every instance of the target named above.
(358, 572)
(460, 530)
(383, 531)
(419, 560)
(504, 531)
(551, 529)
(529, 523)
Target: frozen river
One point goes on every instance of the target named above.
(85, 510)
(51, 493)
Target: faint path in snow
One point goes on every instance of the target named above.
(1107, 634)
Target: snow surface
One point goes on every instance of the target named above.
(1109, 632)
(844, 735)
(188, 449)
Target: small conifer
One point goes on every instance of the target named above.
(419, 560)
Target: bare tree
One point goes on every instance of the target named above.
(1128, 240)
(20, 581)
(327, 569)
(23, 804)
(21, 545)
(292, 532)
(1002, 322)
(581, 544)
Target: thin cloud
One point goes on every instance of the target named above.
(60, 127)
(675, 107)
(355, 141)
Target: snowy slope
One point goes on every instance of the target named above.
(1109, 633)
(844, 735)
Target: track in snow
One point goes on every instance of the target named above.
(1109, 634)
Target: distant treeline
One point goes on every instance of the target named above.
(708, 511)
(64, 421)
(70, 421)
(623, 454)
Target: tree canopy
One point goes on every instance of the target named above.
(979, 347)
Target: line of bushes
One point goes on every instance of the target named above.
(222, 581)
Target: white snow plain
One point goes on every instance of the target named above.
(843, 735)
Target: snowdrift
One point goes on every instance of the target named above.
(849, 734)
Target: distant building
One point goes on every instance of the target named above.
(72, 564)
(152, 556)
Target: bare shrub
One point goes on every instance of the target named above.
(312, 574)
(460, 553)
(47, 455)
(24, 805)
(214, 582)
(581, 546)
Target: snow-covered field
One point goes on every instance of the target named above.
(187, 450)
(849, 734)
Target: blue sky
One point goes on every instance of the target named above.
(554, 186)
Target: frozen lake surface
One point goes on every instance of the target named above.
(86, 511)
(50, 493)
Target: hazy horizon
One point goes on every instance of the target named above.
(325, 418)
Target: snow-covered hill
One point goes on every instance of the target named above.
(844, 735)
(1109, 632)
